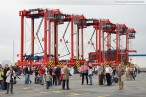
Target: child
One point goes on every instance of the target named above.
(48, 79)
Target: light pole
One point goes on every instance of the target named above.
(13, 55)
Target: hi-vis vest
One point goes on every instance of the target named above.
(84, 69)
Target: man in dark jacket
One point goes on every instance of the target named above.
(58, 73)
(27, 78)
(6, 68)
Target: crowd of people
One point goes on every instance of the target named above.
(108, 74)
(113, 74)
(59, 75)
(7, 78)
(51, 76)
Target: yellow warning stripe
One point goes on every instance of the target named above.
(105, 63)
(78, 65)
(60, 63)
(51, 64)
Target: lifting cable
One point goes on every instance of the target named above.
(86, 46)
(65, 41)
(28, 48)
(92, 37)
(121, 43)
(108, 42)
(38, 32)
(115, 42)
(26, 25)
(38, 48)
(60, 37)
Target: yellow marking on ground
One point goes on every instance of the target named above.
(100, 96)
(73, 94)
(87, 93)
(56, 91)
(30, 91)
(43, 92)
(25, 88)
(36, 90)
(140, 88)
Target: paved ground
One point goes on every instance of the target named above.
(135, 88)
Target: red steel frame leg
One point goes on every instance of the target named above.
(45, 36)
(117, 44)
(32, 36)
(127, 46)
(99, 30)
(97, 43)
(78, 51)
(82, 37)
(103, 54)
(55, 43)
(22, 38)
(72, 39)
(49, 38)
(109, 41)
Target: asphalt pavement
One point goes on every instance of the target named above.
(132, 88)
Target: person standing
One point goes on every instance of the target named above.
(48, 80)
(65, 78)
(101, 74)
(61, 76)
(54, 76)
(132, 73)
(27, 75)
(120, 74)
(36, 75)
(58, 74)
(109, 72)
(127, 71)
(10, 76)
(50, 70)
(46, 71)
(90, 73)
(1, 78)
(84, 70)
(42, 73)
(6, 68)
(113, 74)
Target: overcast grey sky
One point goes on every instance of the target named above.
(131, 15)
